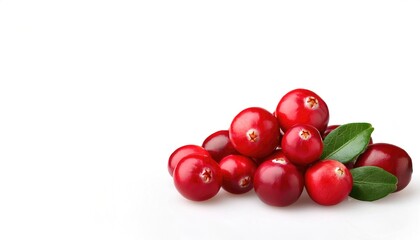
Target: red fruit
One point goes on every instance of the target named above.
(218, 145)
(328, 182)
(238, 173)
(331, 128)
(302, 144)
(197, 177)
(391, 158)
(301, 106)
(182, 152)
(254, 132)
(278, 182)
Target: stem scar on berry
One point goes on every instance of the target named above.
(252, 135)
(206, 175)
(339, 171)
(245, 181)
(304, 134)
(311, 102)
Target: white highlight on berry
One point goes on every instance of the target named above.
(279, 161)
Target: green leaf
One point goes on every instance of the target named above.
(347, 142)
(372, 183)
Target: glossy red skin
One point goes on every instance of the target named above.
(238, 173)
(292, 110)
(331, 128)
(302, 151)
(325, 185)
(182, 152)
(218, 145)
(189, 179)
(263, 140)
(278, 183)
(391, 158)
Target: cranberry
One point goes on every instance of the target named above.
(301, 106)
(182, 152)
(328, 182)
(254, 132)
(198, 177)
(302, 144)
(331, 128)
(218, 145)
(238, 173)
(278, 182)
(391, 158)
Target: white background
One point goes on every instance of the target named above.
(95, 95)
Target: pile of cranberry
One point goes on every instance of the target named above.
(255, 154)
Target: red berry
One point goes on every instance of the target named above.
(254, 132)
(391, 158)
(197, 177)
(331, 128)
(302, 144)
(277, 181)
(182, 152)
(328, 182)
(218, 145)
(301, 106)
(238, 173)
